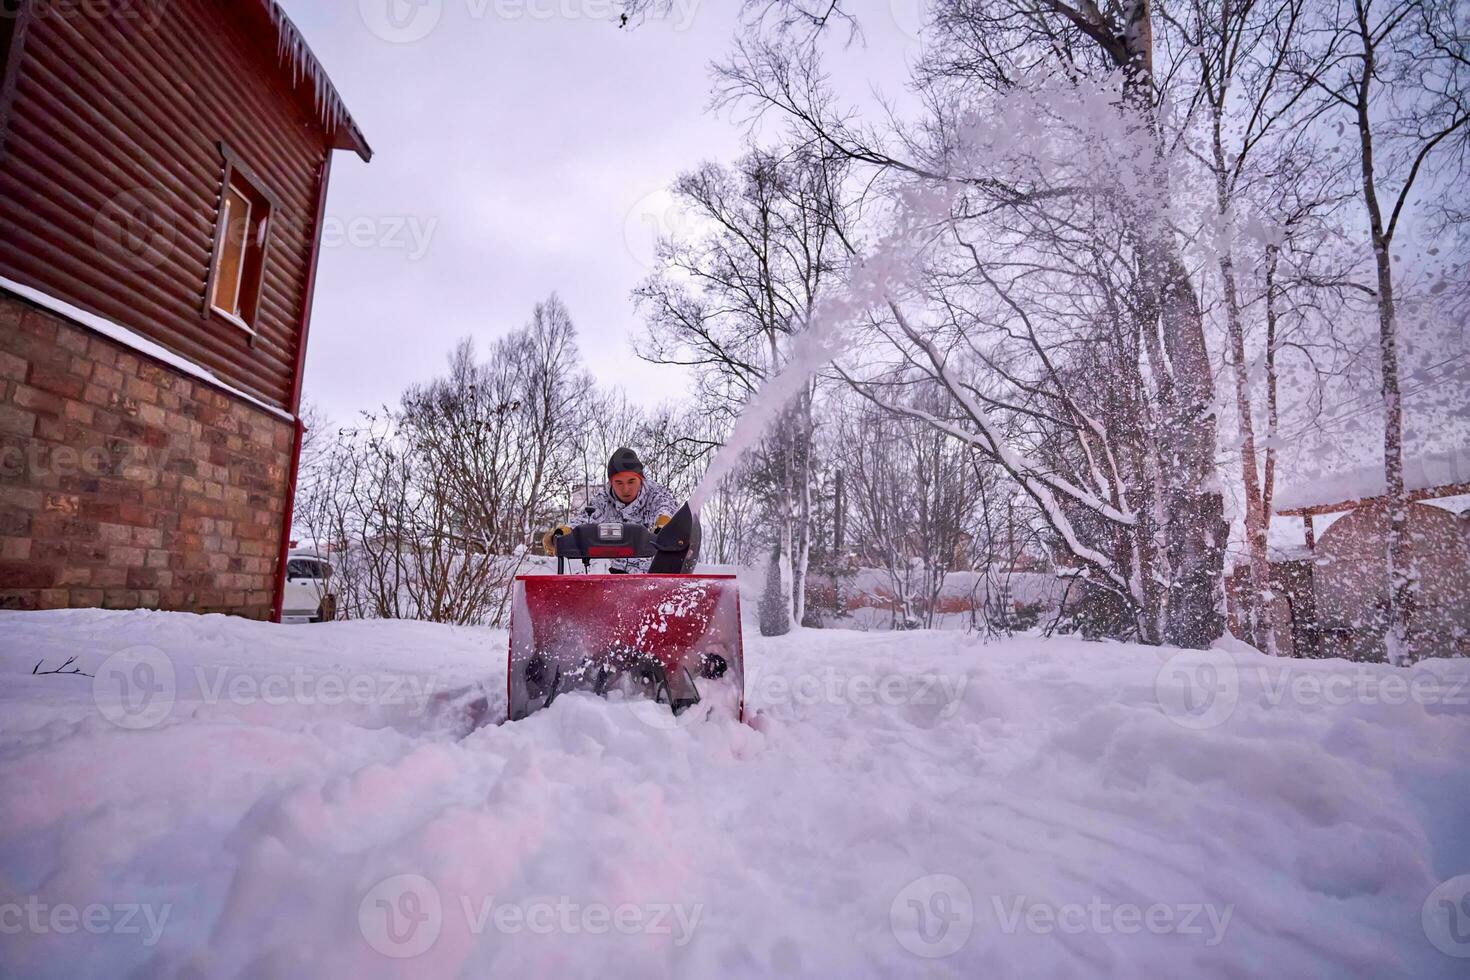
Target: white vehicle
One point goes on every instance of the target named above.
(308, 594)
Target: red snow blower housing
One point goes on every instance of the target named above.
(669, 636)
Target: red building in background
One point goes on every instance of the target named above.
(163, 174)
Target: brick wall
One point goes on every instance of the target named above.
(126, 484)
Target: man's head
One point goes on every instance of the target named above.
(625, 475)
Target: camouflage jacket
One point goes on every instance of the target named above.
(652, 502)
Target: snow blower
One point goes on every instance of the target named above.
(670, 637)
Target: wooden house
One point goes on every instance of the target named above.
(163, 174)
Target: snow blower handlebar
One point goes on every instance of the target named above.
(673, 546)
(589, 541)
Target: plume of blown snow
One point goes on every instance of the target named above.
(872, 281)
(1052, 133)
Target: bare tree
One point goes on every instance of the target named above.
(429, 508)
(503, 431)
(913, 495)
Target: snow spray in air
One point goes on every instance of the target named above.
(873, 281)
(1013, 142)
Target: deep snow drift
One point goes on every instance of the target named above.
(231, 798)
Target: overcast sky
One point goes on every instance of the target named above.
(522, 146)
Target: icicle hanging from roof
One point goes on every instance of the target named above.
(293, 50)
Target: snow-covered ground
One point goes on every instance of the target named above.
(230, 798)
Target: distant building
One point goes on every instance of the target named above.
(1332, 590)
(163, 174)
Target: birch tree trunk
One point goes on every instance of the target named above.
(1257, 600)
(1195, 531)
(1399, 579)
(771, 610)
(801, 559)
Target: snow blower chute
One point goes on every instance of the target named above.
(668, 637)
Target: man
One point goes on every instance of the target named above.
(628, 498)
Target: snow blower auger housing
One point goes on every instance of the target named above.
(668, 637)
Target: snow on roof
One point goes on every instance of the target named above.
(137, 342)
(1424, 471)
(1286, 539)
(1457, 505)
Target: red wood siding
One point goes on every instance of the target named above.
(110, 178)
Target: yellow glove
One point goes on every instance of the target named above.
(660, 521)
(548, 540)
